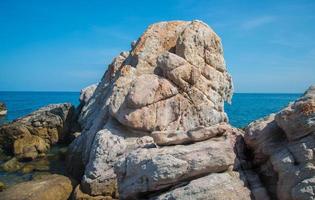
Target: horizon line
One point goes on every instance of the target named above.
(79, 92)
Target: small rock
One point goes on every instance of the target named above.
(12, 165)
(28, 168)
(3, 109)
(79, 195)
(42, 165)
(2, 186)
(86, 93)
(40, 175)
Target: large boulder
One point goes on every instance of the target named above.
(216, 186)
(282, 149)
(169, 89)
(154, 169)
(298, 119)
(49, 187)
(32, 135)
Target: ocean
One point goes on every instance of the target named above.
(245, 107)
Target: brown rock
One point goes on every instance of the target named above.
(79, 195)
(29, 147)
(32, 135)
(51, 187)
(12, 165)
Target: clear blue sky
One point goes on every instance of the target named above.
(65, 45)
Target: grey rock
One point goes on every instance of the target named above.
(148, 170)
(283, 147)
(216, 186)
(298, 119)
(86, 93)
(156, 89)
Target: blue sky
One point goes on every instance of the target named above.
(269, 46)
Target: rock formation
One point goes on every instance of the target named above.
(156, 121)
(86, 93)
(3, 109)
(49, 187)
(282, 148)
(32, 135)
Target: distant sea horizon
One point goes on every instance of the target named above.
(245, 108)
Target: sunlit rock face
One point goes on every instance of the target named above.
(161, 103)
(282, 147)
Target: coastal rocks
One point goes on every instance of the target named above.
(29, 147)
(79, 195)
(163, 138)
(32, 135)
(50, 187)
(298, 119)
(3, 109)
(157, 119)
(11, 165)
(282, 147)
(86, 93)
(218, 186)
(154, 169)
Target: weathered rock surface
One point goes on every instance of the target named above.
(3, 109)
(86, 93)
(163, 138)
(50, 187)
(149, 170)
(32, 135)
(298, 119)
(282, 147)
(169, 89)
(79, 195)
(216, 186)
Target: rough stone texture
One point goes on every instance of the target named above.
(3, 109)
(11, 165)
(147, 170)
(29, 147)
(163, 138)
(171, 86)
(29, 136)
(86, 93)
(50, 187)
(298, 119)
(282, 148)
(216, 186)
(79, 195)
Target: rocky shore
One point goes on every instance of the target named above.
(155, 128)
